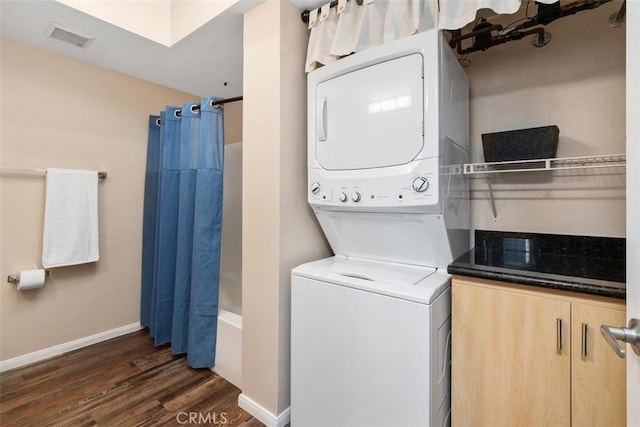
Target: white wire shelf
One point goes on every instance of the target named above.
(560, 163)
(486, 170)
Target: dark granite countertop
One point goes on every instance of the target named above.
(593, 265)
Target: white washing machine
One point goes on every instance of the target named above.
(387, 137)
(372, 344)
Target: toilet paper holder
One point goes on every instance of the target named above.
(15, 278)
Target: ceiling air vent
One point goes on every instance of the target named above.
(68, 35)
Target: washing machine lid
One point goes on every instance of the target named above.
(413, 283)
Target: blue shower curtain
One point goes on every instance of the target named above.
(182, 230)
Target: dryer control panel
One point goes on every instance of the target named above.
(412, 185)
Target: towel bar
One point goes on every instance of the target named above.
(101, 174)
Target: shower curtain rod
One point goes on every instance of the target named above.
(3, 169)
(224, 101)
(214, 104)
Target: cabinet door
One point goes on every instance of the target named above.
(506, 366)
(599, 377)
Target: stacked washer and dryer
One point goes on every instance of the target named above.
(371, 326)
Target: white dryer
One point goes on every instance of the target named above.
(387, 137)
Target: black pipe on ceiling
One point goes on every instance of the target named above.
(485, 35)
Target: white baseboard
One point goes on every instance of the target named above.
(57, 350)
(262, 414)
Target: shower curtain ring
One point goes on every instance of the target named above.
(195, 108)
(177, 114)
(214, 104)
(158, 122)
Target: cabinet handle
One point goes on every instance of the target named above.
(559, 335)
(583, 347)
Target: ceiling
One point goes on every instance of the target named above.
(206, 62)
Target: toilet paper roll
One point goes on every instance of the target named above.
(31, 279)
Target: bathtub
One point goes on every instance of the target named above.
(229, 348)
(229, 342)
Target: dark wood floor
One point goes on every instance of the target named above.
(125, 381)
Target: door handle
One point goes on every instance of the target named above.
(629, 335)
(321, 120)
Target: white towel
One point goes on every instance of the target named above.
(70, 234)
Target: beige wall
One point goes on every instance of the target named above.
(60, 112)
(279, 231)
(577, 82)
(233, 122)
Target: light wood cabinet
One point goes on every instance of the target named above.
(599, 376)
(517, 357)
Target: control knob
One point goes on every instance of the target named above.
(420, 184)
(343, 197)
(356, 197)
(315, 187)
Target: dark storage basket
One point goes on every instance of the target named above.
(521, 144)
